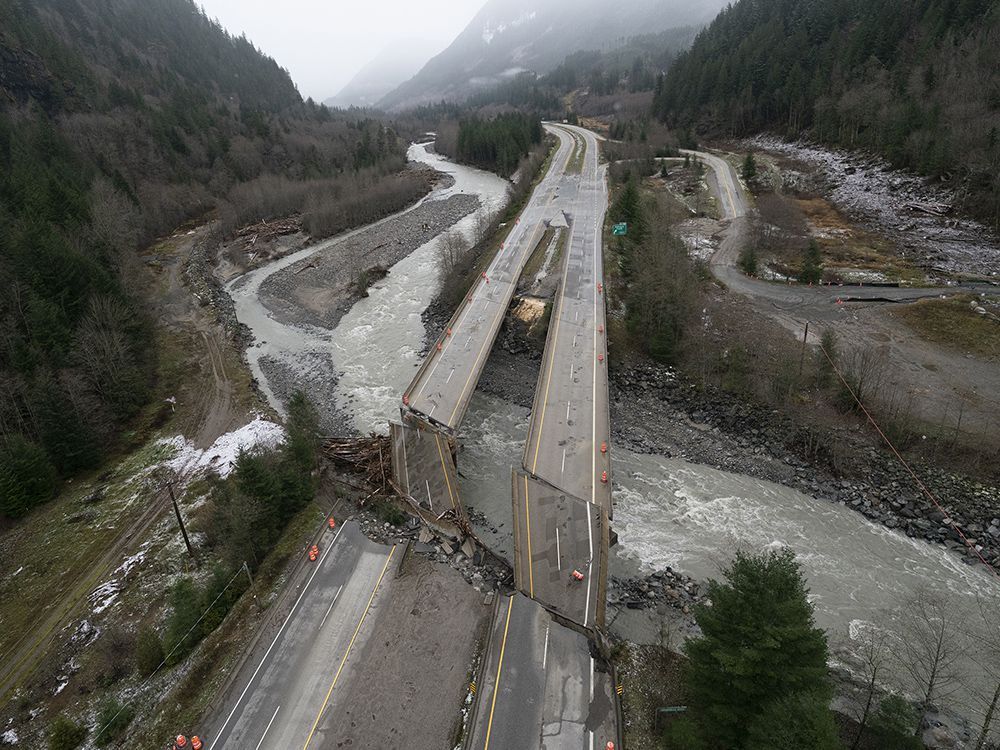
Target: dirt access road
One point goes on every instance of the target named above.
(937, 384)
(200, 370)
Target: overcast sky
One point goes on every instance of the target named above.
(323, 43)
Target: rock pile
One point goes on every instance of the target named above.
(872, 482)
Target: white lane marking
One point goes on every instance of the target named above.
(574, 341)
(282, 630)
(576, 317)
(591, 679)
(267, 728)
(328, 611)
(450, 374)
(558, 552)
(571, 366)
(431, 412)
(563, 469)
(545, 649)
(568, 405)
(590, 569)
(427, 484)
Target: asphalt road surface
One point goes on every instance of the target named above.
(424, 467)
(286, 695)
(444, 384)
(570, 424)
(554, 535)
(541, 688)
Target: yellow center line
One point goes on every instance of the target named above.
(496, 686)
(350, 646)
(444, 468)
(527, 517)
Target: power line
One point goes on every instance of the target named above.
(208, 609)
(923, 487)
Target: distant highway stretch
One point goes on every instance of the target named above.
(570, 428)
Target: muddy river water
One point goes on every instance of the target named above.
(668, 511)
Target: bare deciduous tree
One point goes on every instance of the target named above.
(450, 250)
(929, 651)
(872, 649)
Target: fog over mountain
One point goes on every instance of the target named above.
(392, 66)
(509, 36)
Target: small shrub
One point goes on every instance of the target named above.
(748, 260)
(112, 719)
(148, 652)
(65, 734)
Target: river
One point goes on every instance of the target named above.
(375, 349)
(668, 512)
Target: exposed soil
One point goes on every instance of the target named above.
(416, 687)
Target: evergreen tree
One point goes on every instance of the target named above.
(748, 260)
(749, 168)
(759, 650)
(65, 734)
(812, 265)
(27, 477)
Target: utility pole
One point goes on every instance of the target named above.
(180, 521)
(802, 357)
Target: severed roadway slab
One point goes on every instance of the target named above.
(570, 423)
(556, 534)
(424, 466)
(541, 689)
(444, 384)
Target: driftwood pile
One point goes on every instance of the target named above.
(264, 231)
(934, 209)
(369, 456)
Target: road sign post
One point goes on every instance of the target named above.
(619, 230)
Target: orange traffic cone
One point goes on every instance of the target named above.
(196, 743)
(604, 447)
(577, 575)
(332, 522)
(180, 742)
(604, 477)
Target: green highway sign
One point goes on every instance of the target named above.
(619, 230)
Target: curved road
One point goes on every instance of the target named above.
(814, 302)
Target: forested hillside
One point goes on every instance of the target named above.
(915, 80)
(120, 119)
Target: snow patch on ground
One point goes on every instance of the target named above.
(223, 454)
(107, 593)
(869, 188)
(9, 737)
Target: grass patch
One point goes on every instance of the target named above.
(651, 677)
(953, 323)
(847, 247)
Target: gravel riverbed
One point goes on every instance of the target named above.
(320, 289)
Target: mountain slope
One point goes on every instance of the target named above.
(917, 81)
(120, 119)
(385, 72)
(509, 36)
